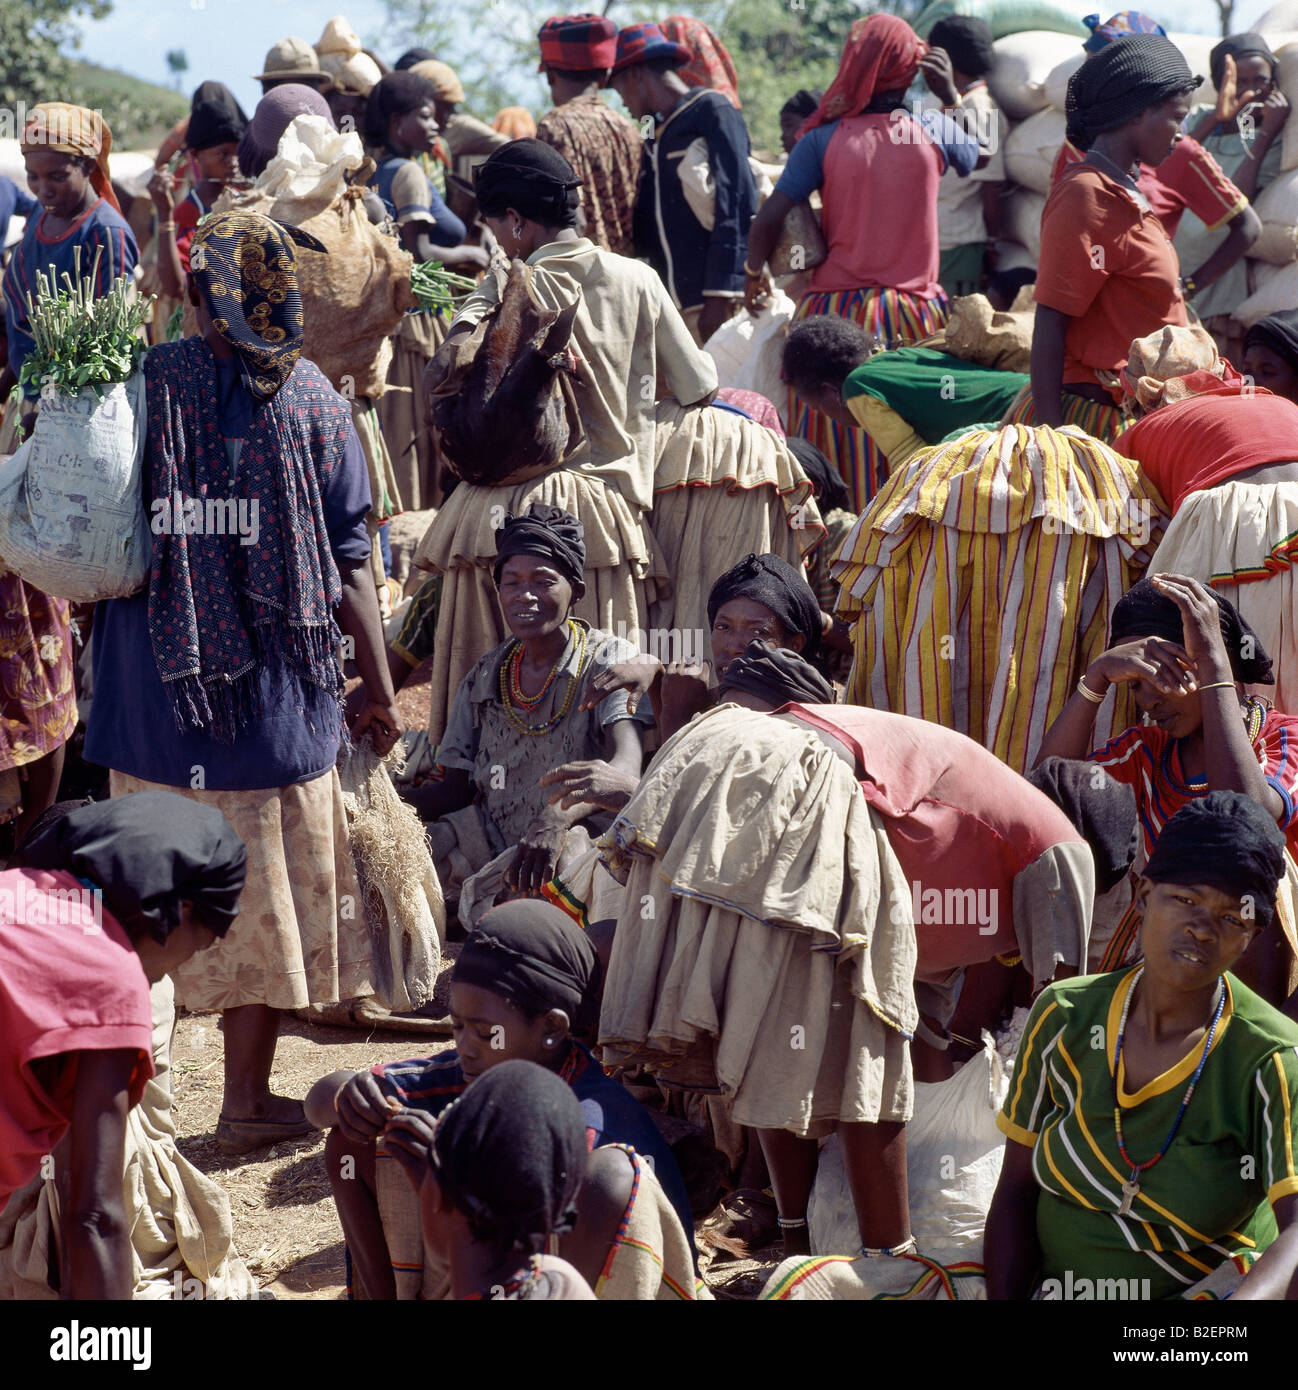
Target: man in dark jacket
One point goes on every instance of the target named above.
(701, 265)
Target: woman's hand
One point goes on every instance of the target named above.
(537, 857)
(684, 689)
(636, 676)
(464, 258)
(757, 291)
(409, 1139)
(1275, 112)
(362, 1107)
(1165, 665)
(1231, 101)
(1201, 624)
(940, 76)
(383, 723)
(162, 190)
(598, 783)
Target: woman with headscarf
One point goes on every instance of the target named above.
(216, 126)
(106, 900)
(523, 709)
(1107, 273)
(1242, 132)
(709, 65)
(1271, 354)
(222, 680)
(1224, 454)
(627, 335)
(526, 979)
(1189, 658)
(881, 271)
(1150, 1117)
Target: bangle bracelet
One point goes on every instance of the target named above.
(907, 1247)
(791, 1223)
(1217, 685)
(1087, 693)
(751, 273)
(166, 226)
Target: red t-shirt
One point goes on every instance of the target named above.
(1188, 178)
(957, 818)
(1110, 266)
(1148, 760)
(1197, 443)
(188, 211)
(67, 984)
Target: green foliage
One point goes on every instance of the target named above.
(139, 113)
(34, 37)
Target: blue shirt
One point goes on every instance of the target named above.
(13, 200)
(409, 195)
(132, 728)
(612, 1113)
(804, 173)
(100, 227)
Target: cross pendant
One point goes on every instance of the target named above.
(1129, 1191)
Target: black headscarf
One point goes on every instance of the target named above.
(149, 852)
(534, 179)
(1145, 612)
(1122, 80)
(1102, 811)
(412, 56)
(1277, 333)
(802, 103)
(968, 41)
(831, 490)
(778, 675)
(511, 1155)
(1238, 46)
(534, 957)
(774, 582)
(215, 117)
(548, 532)
(1227, 841)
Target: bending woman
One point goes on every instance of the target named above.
(1165, 1159)
(111, 898)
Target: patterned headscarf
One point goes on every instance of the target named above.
(62, 128)
(246, 267)
(1172, 364)
(1121, 81)
(1119, 26)
(881, 54)
(709, 65)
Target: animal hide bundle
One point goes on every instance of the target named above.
(507, 410)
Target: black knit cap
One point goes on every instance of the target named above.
(1238, 46)
(967, 41)
(534, 179)
(1122, 80)
(772, 581)
(1277, 333)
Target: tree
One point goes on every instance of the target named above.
(34, 37)
(1226, 13)
(178, 64)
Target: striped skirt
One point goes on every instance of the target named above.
(898, 319)
(1105, 422)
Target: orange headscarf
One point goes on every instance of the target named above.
(709, 64)
(515, 122)
(881, 54)
(66, 129)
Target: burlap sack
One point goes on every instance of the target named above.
(978, 333)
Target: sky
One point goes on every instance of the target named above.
(226, 40)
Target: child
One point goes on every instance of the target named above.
(497, 1176)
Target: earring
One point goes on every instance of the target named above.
(549, 1042)
(518, 234)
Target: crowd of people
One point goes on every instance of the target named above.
(780, 755)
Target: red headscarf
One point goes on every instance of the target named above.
(710, 64)
(881, 54)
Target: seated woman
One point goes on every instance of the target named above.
(497, 1177)
(1160, 1165)
(523, 709)
(1271, 354)
(1224, 454)
(109, 899)
(1107, 272)
(526, 978)
(1186, 654)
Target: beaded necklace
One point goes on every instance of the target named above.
(1131, 1188)
(1254, 712)
(513, 1289)
(512, 696)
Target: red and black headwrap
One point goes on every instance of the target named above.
(578, 43)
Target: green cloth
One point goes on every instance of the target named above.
(414, 643)
(960, 270)
(1207, 1200)
(934, 392)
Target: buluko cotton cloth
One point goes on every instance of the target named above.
(765, 945)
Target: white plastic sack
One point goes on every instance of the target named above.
(1279, 19)
(747, 350)
(1032, 147)
(695, 171)
(1287, 80)
(953, 1162)
(1022, 222)
(1275, 291)
(1023, 62)
(1277, 206)
(312, 161)
(72, 518)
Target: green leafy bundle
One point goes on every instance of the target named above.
(437, 289)
(80, 340)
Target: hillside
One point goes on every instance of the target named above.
(139, 113)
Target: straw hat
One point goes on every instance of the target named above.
(292, 60)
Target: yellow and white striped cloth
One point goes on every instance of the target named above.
(980, 581)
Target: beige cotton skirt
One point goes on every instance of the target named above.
(300, 937)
